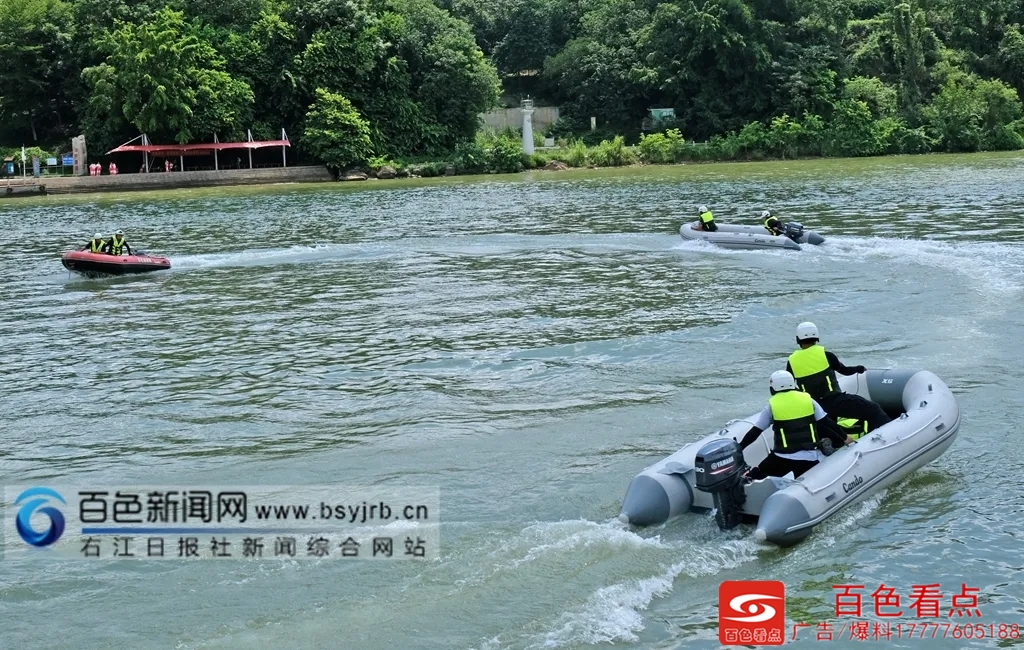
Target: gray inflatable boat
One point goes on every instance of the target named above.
(752, 237)
(707, 475)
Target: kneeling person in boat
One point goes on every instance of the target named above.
(96, 245)
(117, 244)
(800, 426)
(771, 224)
(707, 220)
(815, 371)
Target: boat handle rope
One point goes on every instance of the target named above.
(857, 455)
(856, 459)
(907, 437)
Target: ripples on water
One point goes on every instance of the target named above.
(529, 346)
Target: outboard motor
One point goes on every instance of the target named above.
(719, 467)
(794, 230)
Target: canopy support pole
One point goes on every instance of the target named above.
(284, 157)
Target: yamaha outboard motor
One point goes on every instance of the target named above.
(794, 230)
(720, 467)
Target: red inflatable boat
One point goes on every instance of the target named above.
(88, 263)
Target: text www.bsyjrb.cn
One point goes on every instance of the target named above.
(349, 513)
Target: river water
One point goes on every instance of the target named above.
(526, 344)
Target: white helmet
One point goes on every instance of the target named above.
(806, 331)
(781, 380)
(119, 232)
(765, 214)
(97, 236)
(702, 209)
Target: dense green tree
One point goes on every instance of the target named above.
(970, 113)
(601, 72)
(263, 57)
(414, 72)
(35, 61)
(1010, 57)
(335, 131)
(712, 61)
(163, 79)
(228, 14)
(876, 95)
(481, 16)
(758, 77)
(450, 78)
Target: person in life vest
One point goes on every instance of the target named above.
(707, 220)
(800, 426)
(815, 371)
(117, 244)
(96, 245)
(771, 224)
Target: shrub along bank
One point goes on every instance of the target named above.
(968, 114)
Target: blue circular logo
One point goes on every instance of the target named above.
(38, 496)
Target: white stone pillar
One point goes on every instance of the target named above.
(527, 108)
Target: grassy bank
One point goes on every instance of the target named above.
(503, 155)
(830, 170)
(853, 130)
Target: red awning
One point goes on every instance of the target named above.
(197, 149)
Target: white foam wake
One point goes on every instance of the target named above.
(613, 613)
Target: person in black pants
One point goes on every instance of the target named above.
(800, 428)
(815, 372)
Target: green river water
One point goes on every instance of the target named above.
(527, 345)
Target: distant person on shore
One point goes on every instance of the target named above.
(772, 224)
(117, 244)
(707, 220)
(96, 244)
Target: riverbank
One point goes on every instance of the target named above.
(317, 179)
(170, 180)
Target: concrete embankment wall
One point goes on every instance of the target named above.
(171, 180)
(512, 118)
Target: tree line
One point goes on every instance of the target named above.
(355, 80)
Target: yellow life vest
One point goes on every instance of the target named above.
(812, 372)
(853, 427)
(793, 421)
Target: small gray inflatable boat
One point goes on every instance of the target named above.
(708, 474)
(752, 237)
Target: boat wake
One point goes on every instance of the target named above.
(996, 267)
(615, 613)
(471, 245)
